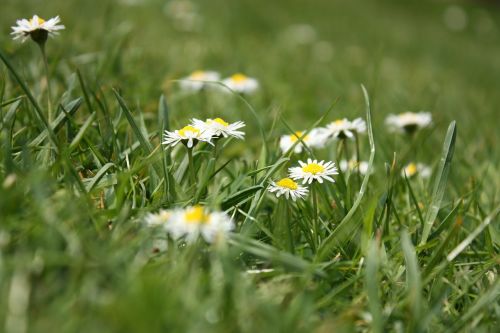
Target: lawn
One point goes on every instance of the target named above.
(106, 227)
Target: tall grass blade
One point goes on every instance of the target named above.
(330, 242)
(440, 181)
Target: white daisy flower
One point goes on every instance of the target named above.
(419, 169)
(316, 138)
(241, 83)
(353, 165)
(288, 188)
(314, 171)
(408, 122)
(36, 28)
(198, 220)
(197, 80)
(220, 128)
(157, 219)
(188, 135)
(344, 128)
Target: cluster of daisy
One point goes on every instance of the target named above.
(205, 131)
(309, 172)
(192, 222)
(238, 82)
(319, 137)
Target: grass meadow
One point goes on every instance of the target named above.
(96, 212)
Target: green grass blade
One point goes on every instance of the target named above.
(440, 181)
(372, 285)
(38, 110)
(413, 282)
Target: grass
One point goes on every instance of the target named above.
(393, 253)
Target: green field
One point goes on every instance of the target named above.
(81, 169)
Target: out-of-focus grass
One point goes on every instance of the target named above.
(81, 267)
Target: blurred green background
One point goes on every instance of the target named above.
(440, 56)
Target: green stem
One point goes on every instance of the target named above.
(288, 215)
(191, 166)
(356, 138)
(47, 78)
(315, 215)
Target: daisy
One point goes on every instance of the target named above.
(413, 169)
(289, 188)
(408, 122)
(198, 220)
(188, 135)
(157, 219)
(220, 128)
(36, 28)
(343, 128)
(241, 83)
(316, 138)
(314, 170)
(352, 165)
(197, 80)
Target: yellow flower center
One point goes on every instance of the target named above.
(219, 121)
(298, 135)
(197, 75)
(287, 183)
(238, 77)
(411, 169)
(196, 214)
(183, 131)
(313, 168)
(40, 21)
(339, 122)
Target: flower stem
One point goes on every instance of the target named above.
(47, 78)
(315, 215)
(356, 138)
(289, 227)
(191, 166)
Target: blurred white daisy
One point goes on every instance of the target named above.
(412, 169)
(197, 80)
(36, 28)
(188, 135)
(198, 220)
(408, 122)
(316, 138)
(218, 127)
(353, 165)
(241, 83)
(157, 219)
(344, 128)
(314, 171)
(288, 188)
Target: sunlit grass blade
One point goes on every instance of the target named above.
(440, 181)
(470, 238)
